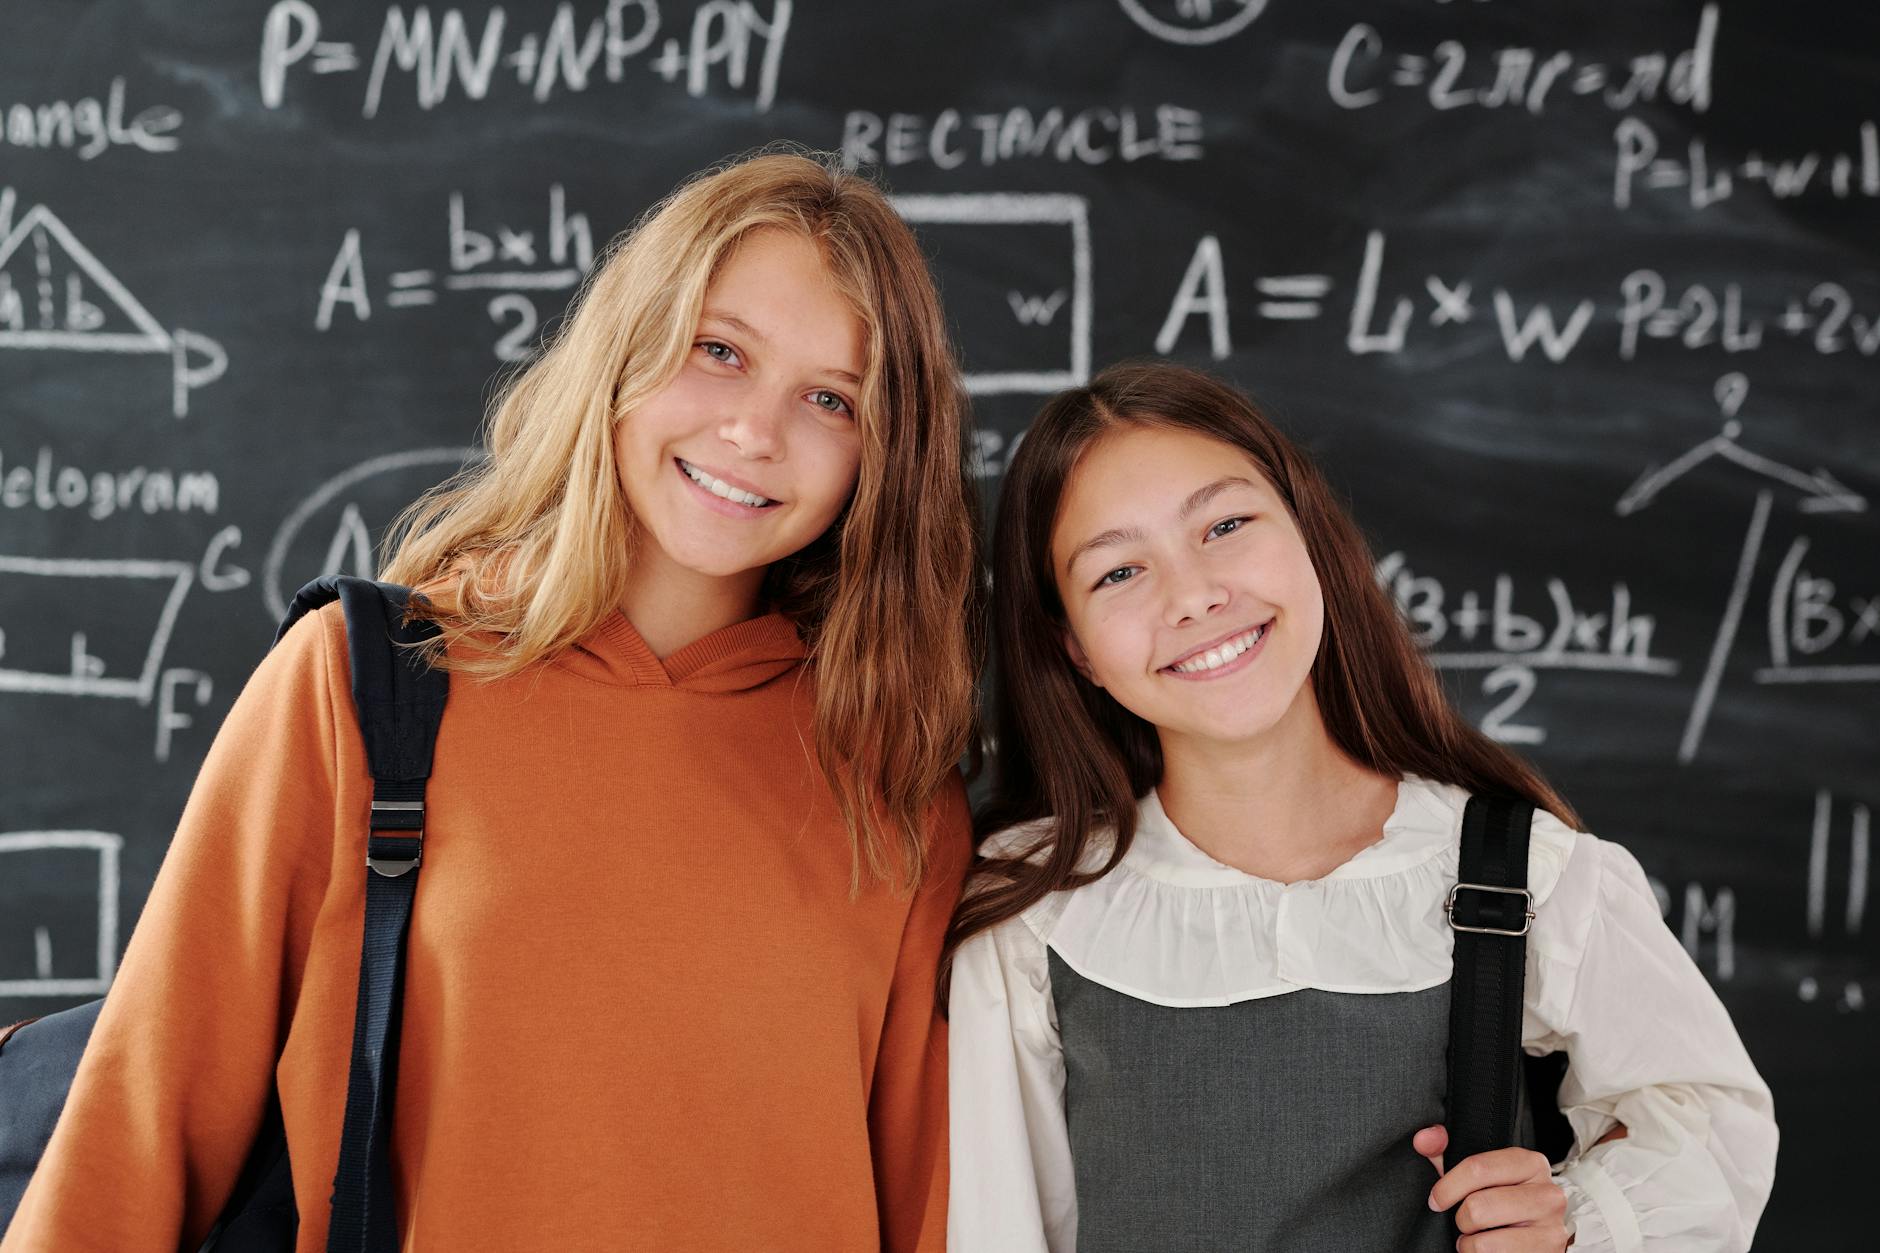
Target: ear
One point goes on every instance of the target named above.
(1075, 652)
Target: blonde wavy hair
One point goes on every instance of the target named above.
(531, 545)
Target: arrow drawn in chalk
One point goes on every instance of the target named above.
(1824, 492)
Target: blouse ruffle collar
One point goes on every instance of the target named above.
(1173, 926)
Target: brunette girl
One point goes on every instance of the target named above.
(695, 828)
(1199, 996)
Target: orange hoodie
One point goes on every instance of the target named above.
(642, 1010)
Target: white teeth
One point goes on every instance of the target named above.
(720, 488)
(1221, 654)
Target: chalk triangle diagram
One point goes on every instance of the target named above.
(55, 294)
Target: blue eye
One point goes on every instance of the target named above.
(1111, 579)
(1227, 526)
(717, 351)
(830, 402)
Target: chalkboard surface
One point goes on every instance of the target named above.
(1580, 304)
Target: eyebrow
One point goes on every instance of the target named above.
(1127, 534)
(738, 324)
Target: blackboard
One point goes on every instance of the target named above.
(1579, 304)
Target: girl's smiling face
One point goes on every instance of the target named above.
(1188, 593)
(753, 448)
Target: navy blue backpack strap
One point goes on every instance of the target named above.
(1490, 910)
(400, 701)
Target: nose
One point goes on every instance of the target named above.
(755, 429)
(1191, 591)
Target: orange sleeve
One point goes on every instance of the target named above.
(175, 1080)
(907, 1113)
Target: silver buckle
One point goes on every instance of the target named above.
(1527, 901)
(392, 867)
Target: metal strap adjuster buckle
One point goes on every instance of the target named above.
(1527, 904)
(404, 835)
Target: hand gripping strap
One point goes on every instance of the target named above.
(1490, 910)
(400, 702)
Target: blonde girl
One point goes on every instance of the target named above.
(695, 827)
(1200, 992)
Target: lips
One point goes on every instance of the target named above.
(724, 487)
(1220, 653)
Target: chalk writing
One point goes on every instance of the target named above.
(980, 212)
(1822, 493)
(47, 648)
(950, 139)
(1193, 22)
(1383, 315)
(77, 305)
(345, 542)
(89, 127)
(1698, 912)
(1809, 615)
(1361, 74)
(725, 39)
(499, 258)
(19, 851)
(1491, 634)
(49, 486)
(1638, 165)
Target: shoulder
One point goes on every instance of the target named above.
(310, 657)
(1436, 810)
(1597, 879)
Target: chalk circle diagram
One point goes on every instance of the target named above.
(1193, 22)
(340, 541)
(56, 296)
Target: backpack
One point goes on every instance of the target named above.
(1499, 1096)
(399, 701)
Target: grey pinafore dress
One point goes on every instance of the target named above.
(1281, 1123)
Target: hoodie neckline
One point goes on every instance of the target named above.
(732, 658)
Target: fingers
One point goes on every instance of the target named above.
(1540, 1205)
(1430, 1144)
(1515, 1240)
(1497, 1169)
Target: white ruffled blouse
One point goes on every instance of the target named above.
(1648, 1043)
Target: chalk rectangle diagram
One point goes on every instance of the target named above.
(36, 868)
(63, 629)
(998, 265)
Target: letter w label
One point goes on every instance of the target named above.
(1035, 310)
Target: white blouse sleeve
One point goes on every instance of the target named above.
(1651, 1047)
(1012, 1188)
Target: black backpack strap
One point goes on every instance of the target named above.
(400, 701)
(1490, 910)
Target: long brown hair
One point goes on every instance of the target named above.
(530, 546)
(1067, 751)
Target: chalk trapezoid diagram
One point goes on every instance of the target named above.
(39, 258)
